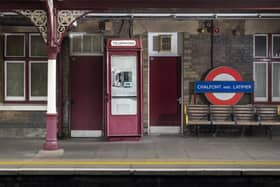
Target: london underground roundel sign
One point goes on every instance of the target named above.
(223, 73)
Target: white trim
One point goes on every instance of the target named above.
(254, 51)
(210, 15)
(182, 96)
(192, 15)
(86, 133)
(261, 99)
(82, 35)
(5, 43)
(174, 52)
(148, 102)
(174, 44)
(274, 99)
(165, 129)
(278, 35)
(35, 98)
(14, 98)
(10, 107)
(51, 102)
(30, 48)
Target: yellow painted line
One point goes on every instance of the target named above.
(142, 162)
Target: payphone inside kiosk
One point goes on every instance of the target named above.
(124, 93)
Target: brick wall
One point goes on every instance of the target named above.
(64, 57)
(1, 68)
(228, 50)
(144, 38)
(22, 124)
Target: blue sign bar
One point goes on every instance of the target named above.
(224, 86)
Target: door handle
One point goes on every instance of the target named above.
(180, 100)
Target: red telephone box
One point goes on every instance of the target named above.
(124, 89)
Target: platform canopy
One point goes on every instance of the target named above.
(150, 5)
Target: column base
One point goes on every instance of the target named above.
(51, 136)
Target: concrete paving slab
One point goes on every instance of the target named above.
(128, 156)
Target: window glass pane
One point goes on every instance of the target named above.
(123, 85)
(97, 46)
(156, 43)
(260, 46)
(39, 79)
(165, 43)
(260, 80)
(15, 79)
(15, 45)
(76, 43)
(276, 80)
(37, 47)
(87, 40)
(276, 46)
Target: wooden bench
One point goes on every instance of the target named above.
(245, 115)
(198, 115)
(221, 115)
(236, 115)
(268, 116)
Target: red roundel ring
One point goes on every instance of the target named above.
(225, 71)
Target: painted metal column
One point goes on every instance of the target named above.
(51, 116)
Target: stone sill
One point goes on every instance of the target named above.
(22, 107)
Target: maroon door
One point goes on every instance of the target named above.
(86, 90)
(165, 86)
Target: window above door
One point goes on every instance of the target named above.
(163, 44)
(85, 44)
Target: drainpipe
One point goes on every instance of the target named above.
(212, 45)
(51, 116)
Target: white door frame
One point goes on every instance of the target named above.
(174, 52)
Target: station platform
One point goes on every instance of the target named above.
(152, 155)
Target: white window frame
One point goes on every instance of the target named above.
(273, 99)
(15, 98)
(174, 44)
(29, 40)
(273, 35)
(254, 47)
(82, 35)
(5, 43)
(35, 98)
(261, 99)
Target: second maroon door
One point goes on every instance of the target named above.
(86, 90)
(165, 86)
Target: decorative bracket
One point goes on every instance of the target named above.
(39, 19)
(65, 18)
